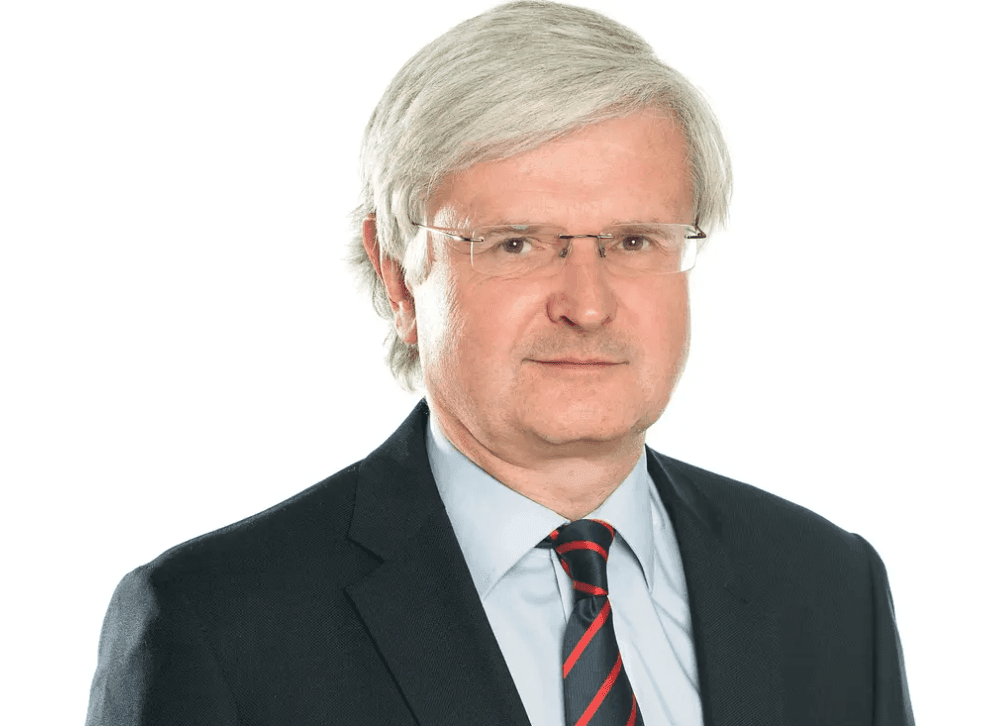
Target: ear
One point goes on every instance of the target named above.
(392, 275)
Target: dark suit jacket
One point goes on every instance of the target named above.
(351, 603)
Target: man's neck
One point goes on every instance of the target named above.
(570, 479)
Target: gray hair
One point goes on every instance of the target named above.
(499, 84)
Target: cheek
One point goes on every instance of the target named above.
(437, 316)
(678, 319)
(466, 327)
(498, 316)
(678, 324)
(665, 330)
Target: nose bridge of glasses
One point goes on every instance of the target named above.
(567, 242)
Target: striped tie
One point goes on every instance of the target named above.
(596, 689)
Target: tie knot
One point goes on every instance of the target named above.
(583, 549)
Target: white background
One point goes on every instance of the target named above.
(182, 346)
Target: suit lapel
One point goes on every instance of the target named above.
(734, 626)
(420, 605)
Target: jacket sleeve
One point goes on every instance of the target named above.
(154, 665)
(892, 695)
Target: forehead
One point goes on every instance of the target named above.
(628, 169)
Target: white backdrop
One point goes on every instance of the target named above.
(182, 346)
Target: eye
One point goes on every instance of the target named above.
(515, 245)
(634, 243)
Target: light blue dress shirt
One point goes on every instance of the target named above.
(528, 598)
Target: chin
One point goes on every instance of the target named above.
(584, 422)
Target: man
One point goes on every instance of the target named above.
(536, 186)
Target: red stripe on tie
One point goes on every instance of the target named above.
(631, 721)
(602, 693)
(554, 534)
(590, 589)
(603, 615)
(608, 526)
(583, 545)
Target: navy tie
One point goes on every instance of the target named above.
(596, 689)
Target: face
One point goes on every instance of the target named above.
(584, 358)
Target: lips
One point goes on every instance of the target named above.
(580, 362)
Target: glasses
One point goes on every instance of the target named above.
(518, 250)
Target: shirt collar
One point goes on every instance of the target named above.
(628, 510)
(496, 526)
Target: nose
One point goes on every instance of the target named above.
(582, 297)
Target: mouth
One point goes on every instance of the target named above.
(586, 362)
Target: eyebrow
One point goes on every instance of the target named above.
(510, 224)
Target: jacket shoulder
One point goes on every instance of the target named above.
(304, 532)
(754, 521)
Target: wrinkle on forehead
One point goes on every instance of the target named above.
(560, 182)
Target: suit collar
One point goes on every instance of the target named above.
(395, 493)
(734, 625)
(420, 605)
